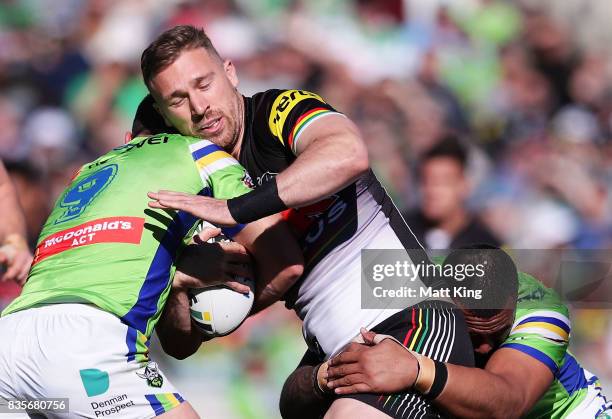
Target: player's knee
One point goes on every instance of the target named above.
(182, 411)
(351, 409)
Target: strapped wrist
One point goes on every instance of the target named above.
(16, 240)
(426, 374)
(439, 382)
(260, 203)
(319, 384)
(431, 377)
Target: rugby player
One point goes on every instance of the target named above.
(15, 255)
(522, 351)
(303, 155)
(102, 272)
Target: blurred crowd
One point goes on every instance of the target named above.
(522, 90)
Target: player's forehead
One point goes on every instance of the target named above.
(489, 326)
(493, 333)
(189, 67)
(441, 166)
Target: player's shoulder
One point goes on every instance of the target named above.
(540, 309)
(534, 295)
(274, 102)
(204, 151)
(180, 146)
(143, 142)
(280, 112)
(179, 140)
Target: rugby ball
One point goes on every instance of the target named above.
(219, 310)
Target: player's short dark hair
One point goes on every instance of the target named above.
(169, 45)
(499, 284)
(148, 120)
(23, 169)
(449, 146)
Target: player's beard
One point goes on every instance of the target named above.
(230, 133)
(219, 138)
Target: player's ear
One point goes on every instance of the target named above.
(230, 72)
(127, 137)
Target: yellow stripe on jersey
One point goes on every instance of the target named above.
(142, 338)
(418, 331)
(562, 334)
(282, 107)
(142, 350)
(209, 159)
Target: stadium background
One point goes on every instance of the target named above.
(527, 84)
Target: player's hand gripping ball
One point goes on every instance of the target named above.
(218, 310)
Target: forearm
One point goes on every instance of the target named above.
(330, 156)
(299, 398)
(13, 223)
(178, 337)
(324, 167)
(270, 294)
(278, 260)
(272, 286)
(477, 393)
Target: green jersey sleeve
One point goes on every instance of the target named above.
(541, 327)
(222, 176)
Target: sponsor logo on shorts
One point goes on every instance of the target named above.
(95, 381)
(103, 230)
(150, 372)
(111, 406)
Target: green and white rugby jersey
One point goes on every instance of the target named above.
(103, 245)
(541, 330)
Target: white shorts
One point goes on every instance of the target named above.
(84, 354)
(595, 404)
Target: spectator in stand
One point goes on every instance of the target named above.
(443, 220)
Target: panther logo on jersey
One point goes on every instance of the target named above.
(248, 181)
